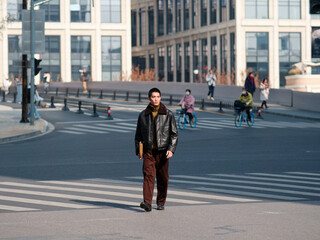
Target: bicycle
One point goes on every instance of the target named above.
(240, 117)
(184, 119)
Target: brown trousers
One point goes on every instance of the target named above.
(155, 164)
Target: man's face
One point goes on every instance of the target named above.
(155, 98)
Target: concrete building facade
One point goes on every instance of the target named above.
(182, 39)
(92, 35)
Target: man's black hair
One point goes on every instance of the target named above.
(152, 90)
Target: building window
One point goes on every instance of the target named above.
(178, 61)
(51, 58)
(187, 61)
(315, 54)
(170, 63)
(257, 53)
(80, 55)
(289, 9)
(151, 61)
(204, 12)
(195, 14)
(110, 11)
(257, 9)
(186, 21)
(80, 10)
(142, 26)
(223, 10)
(161, 64)
(111, 58)
(151, 25)
(214, 51)
(52, 11)
(223, 53)
(232, 6)
(169, 16)
(139, 63)
(14, 9)
(160, 9)
(204, 55)
(14, 56)
(233, 56)
(213, 11)
(134, 28)
(195, 50)
(289, 53)
(178, 15)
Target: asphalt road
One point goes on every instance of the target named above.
(276, 161)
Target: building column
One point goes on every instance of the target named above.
(183, 67)
(191, 59)
(165, 62)
(174, 57)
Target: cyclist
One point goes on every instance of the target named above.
(187, 104)
(246, 98)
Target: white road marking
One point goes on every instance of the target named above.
(17, 209)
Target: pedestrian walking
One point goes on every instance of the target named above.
(85, 80)
(36, 114)
(264, 92)
(250, 85)
(211, 80)
(156, 140)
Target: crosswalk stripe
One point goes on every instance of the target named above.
(67, 196)
(71, 132)
(116, 126)
(304, 173)
(17, 209)
(117, 194)
(43, 202)
(247, 182)
(208, 127)
(242, 193)
(173, 192)
(127, 124)
(85, 130)
(92, 127)
(248, 187)
(283, 176)
(222, 125)
(231, 122)
(264, 178)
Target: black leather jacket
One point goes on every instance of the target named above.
(166, 129)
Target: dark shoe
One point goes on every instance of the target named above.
(160, 207)
(146, 206)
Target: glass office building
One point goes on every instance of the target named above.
(91, 35)
(232, 37)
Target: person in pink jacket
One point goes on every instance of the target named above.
(187, 104)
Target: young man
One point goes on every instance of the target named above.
(157, 131)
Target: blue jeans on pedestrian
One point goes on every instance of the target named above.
(36, 114)
(211, 91)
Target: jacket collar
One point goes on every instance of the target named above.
(162, 109)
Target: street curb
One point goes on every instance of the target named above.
(293, 116)
(48, 128)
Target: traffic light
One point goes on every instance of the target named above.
(314, 7)
(36, 66)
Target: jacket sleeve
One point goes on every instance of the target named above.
(173, 134)
(138, 136)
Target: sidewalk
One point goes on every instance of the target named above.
(12, 130)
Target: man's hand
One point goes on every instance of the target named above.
(247, 103)
(140, 157)
(169, 154)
